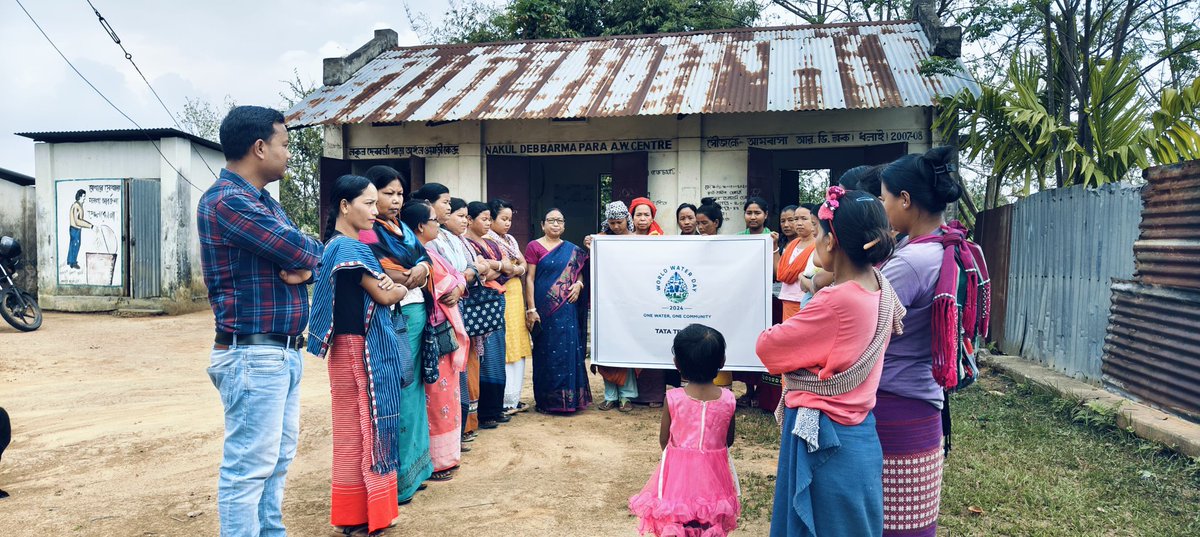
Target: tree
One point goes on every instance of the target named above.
(630, 17)
(201, 118)
(472, 21)
(1013, 129)
(300, 189)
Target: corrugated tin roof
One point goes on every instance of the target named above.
(823, 67)
(118, 135)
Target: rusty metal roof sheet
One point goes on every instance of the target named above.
(823, 67)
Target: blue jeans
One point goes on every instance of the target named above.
(260, 391)
(73, 247)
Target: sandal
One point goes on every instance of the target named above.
(626, 406)
(655, 405)
(745, 401)
(607, 405)
(444, 475)
(469, 437)
(360, 529)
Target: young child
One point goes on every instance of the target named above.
(694, 492)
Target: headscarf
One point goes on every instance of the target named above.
(394, 244)
(614, 210)
(654, 227)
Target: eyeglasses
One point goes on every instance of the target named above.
(555, 221)
(432, 220)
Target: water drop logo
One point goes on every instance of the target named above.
(676, 283)
(676, 289)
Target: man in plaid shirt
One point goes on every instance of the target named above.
(256, 266)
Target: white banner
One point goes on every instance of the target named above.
(646, 288)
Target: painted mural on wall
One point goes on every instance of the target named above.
(89, 215)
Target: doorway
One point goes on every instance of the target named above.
(779, 175)
(578, 185)
(143, 273)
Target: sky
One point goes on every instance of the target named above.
(207, 50)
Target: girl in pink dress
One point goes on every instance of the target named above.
(693, 492)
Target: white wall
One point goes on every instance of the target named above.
(679, 174)
(181, 274)
(181, 242)
(17, 221)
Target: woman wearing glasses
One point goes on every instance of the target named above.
(553, 284)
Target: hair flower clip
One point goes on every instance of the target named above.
(832, 199)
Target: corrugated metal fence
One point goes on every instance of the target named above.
(1152, 350)
(1065, 248)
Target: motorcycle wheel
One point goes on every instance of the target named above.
(21, 310)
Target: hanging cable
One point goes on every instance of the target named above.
(106, 99)
(129, 56)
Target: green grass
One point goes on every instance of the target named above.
(1028, 463)
(1036, 464)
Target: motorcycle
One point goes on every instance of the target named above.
(17, 306)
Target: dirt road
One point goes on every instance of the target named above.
(117, 432)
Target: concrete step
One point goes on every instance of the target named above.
(139, 312)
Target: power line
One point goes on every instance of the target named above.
(106, 99)
(129, 56)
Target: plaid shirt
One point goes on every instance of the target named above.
(245, 240)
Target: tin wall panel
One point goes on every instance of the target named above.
(993, 232)
(145, 241)
(1066, 247)
(1152, 349)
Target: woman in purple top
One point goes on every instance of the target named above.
(916, 189)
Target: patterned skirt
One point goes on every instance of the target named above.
(445, 417)
(412, 443)
(359, 495)
(491, 376)
(910, 432)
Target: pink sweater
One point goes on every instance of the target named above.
(826, 337)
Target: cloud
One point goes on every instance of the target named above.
(204, 50)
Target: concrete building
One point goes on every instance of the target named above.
(678, 117)
(116, 218)
(17, 221)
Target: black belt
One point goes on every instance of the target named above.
(277, 340)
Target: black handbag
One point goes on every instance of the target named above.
(429, 356)
(436, 342)
(443, 336)
(482, 310)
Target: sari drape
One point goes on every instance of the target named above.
(560, 381)
(442, 397)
